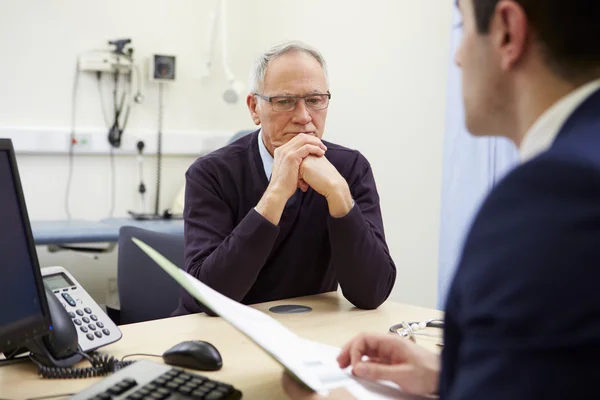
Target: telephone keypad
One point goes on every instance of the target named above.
(79, 312)
(87, 310)
(71, 314)
(93, 317)
(100, 324)
(77, 322)
(92, 327)
(90, 336)
(106, 332)
(83, 329)
(98, 334)
(86, 320)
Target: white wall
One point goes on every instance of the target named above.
(388, 67)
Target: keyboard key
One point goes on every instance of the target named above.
(106, 332)
(214, 396)
(98, 334)
(225, 389)
(117, 389)
(210, 385)
(100, 324)
(71, 314)
(190, 386)
(151, 386)
(130, 382)
(179, 381)
(199, 393)
(77, 322)
(157, 396)
(86, 320)
(185, 376)
(160, 381)
(79, 312)
(83, 329)
(92, 327)
(87, 310)
(94, 318)
(104, 396)
(185, 390)
(172, 373)
(90, 336)
(172, 385)
(198, 381)
(135, 396)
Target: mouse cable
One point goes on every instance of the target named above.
(54, 396)
(140, 354)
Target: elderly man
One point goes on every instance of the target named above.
(280, 213)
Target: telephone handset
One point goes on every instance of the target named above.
(79, 326)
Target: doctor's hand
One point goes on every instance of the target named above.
(392, 358)
(296, 392)
(285, 174)
(324, 178)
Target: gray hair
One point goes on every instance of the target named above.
(259, 69)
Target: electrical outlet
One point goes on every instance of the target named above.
(112, 285)
(80, 141)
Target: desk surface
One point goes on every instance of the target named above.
(107, 230)
(333, 321)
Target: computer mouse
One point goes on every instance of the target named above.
(194, 354)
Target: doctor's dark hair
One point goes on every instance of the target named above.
(568, 30)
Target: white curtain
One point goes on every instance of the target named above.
(471, 167)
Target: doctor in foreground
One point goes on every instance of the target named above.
(523, 312)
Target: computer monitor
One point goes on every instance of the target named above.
(24, 313)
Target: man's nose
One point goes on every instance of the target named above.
(301, 114)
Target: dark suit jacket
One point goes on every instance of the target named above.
(523, 312)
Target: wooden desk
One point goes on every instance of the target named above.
(333, 321)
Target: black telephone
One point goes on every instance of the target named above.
(79, 326)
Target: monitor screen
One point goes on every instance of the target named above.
(24, 313)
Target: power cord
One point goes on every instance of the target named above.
(159, 146)
(71, 144)
(112, 149)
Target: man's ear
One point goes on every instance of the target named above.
(252, 104)
(509, 30)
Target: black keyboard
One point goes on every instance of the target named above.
(145, 380)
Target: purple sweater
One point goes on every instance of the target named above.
(236, 251)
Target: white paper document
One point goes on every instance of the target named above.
(314, 364)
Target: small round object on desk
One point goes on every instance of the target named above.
(290, 309)
(414, 327)
(422, 325)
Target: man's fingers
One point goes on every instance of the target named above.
(303, 139)
(396, 373)
(302, 185)
(307, 149)
(380, 346)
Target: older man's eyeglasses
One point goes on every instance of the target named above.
(313, 102)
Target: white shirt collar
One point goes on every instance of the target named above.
(546, 128)
(267, 158)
